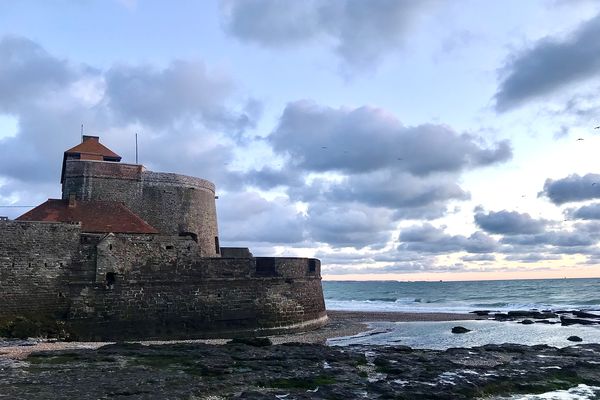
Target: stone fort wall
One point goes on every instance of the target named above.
(34, 263)
(172, 203)
(110, 287)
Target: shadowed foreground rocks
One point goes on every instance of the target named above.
(301, 371)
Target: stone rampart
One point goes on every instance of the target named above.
(122, 286)
(206, 297)
(35, 259)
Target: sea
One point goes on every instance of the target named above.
(465, 297)
(461, 297)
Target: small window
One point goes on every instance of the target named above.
(169, 247)
(312, 265)
(265, 266)
(111, 277)
(110, 246)
(217, 246)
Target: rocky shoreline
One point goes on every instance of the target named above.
(297, 371)
(300, 366)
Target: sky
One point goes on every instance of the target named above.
(392, 139)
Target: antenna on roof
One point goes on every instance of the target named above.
(81, 133)
(136, 149)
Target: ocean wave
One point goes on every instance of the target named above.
(407, 305)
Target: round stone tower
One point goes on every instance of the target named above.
(171, 203)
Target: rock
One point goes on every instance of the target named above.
(255, 342)
(574, 339)
(298, 371)
(573, 321)
(480, 313)
(527, 322)
(531, 314)
(460, 329)
(544, 321)
(583, 314)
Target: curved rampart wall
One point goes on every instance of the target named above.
(152, 297)
(114, 287)
(174, 204)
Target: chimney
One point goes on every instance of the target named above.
(72, 200)
(92, 138)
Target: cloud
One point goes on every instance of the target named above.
(366, 139)
(182, 90)
(183, 129)
(532, 257)
(345, 225)
(28, 71)
(572, 188)
(591, 211)
(479, 257)
(554, 238)
(509, 223)
(248, 217)
(408, 196)
(549, 65)
(429, 239)
(361, 32)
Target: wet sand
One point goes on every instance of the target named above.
(341, 323)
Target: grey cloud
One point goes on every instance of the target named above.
(346, 225)
(549, 65)
(509, 223)
(268, 178)
(572, 188)
(27, 72)
(50, 97)
(401, 190)
(590, 212)
(429, 239)
(360, 31)
(182, 90)
(248, 217)
(532, 257)
(479, 257)
(553, 238)
(367, 139)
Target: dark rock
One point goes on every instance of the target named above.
(256, 342)
(583, 314)
(527, 322)
(576, 321)
(574, 339)
(544, 321)
(531, 314)
(460, 329)
(299, 371)
(480, 313)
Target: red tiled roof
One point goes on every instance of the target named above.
(95, 216)
(91, 146)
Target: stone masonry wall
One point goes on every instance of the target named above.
(34, 261)
(108, 286)
(172, 203)
(155, 296)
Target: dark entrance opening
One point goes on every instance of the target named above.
(111, 277)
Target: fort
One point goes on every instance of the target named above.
(129, 253)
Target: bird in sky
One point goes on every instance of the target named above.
(579, 139)
(598, 127)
